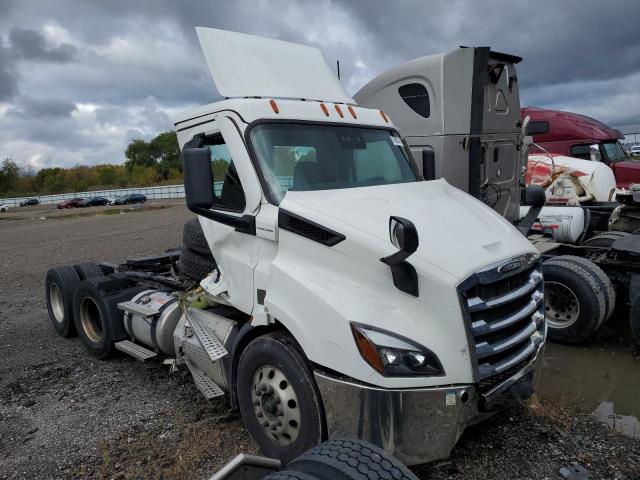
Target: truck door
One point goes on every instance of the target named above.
(237, 192)
(495, 161)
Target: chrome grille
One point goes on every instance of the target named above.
(505, 316)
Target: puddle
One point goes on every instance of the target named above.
(603, 379)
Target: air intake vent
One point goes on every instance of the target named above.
(308, 229)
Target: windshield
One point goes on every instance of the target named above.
(324, 157)
(615, 152)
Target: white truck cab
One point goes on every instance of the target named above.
(413, 308)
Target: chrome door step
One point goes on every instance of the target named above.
(207, 387)
(135, 350)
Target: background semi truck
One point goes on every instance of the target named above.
(334, 302)
(579, 136)
(460, 114)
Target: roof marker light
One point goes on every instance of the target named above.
(274, 106)
(324, 109)
(339, 111)
(352, 111)
(386, 120)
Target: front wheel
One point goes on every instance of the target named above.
(278, 397)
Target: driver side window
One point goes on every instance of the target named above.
(227, 188)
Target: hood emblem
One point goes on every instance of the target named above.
(511, 265)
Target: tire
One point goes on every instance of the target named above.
(60, 285)
(289, 475)
(570, 286)
(88, 270)
(274, 372)
(604, 240)
(350, 460)
(601, 278)
(195, 266)
(98, 320)
(193, 237)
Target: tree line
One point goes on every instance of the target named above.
(155, 162)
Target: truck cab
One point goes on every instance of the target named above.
(579, 136)
(463, 106)
(373, 303)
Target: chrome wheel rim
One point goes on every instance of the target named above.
(56, 302)
(561, 305)
(91, 319)
(275, 405)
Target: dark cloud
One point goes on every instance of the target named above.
(8, 76)
(32, 45)
(27, 107)
(108, 71)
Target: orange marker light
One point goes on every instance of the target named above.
(274, 106)
(324, 109)
(352, 112)
(386, 120)
(339, 111)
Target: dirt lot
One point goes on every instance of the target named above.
(66, 415)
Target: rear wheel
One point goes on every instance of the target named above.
(574, 302)
(278, 397)
(601, 278)
(195, 266)
(88, 270)
(60, 285)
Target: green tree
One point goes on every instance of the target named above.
(9, 175)
(139, 153)
(167, 153)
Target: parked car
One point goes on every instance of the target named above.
(130, 199)
(94, 202)
(29, 201)
(635, 150)
(73, 203)
(4, 208)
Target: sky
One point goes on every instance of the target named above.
(80, 79)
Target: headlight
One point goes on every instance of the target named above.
(395, 356)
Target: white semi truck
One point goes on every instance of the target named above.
(459, 112)
(349, 296)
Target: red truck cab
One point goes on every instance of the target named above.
(580, 136)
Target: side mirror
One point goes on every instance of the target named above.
(535, 196)
(404, 237)
(198, 177)
(428, 164)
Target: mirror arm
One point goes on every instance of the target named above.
(528, 220)
(245, 224)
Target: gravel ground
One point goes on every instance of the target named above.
(64, 414)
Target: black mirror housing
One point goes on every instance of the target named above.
(198, 178)
(535, 196)
(428, 164)
(404, 236)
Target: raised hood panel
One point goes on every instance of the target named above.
(458, 234)
(252, 66)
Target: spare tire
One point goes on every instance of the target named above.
(88, 270)
(601, 278)
(604, 240)
(195, 266)
(98, 320)
(193, 238)
(60, 285)
(350, 460)
(574, 302)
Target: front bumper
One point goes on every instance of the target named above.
(418, 425)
